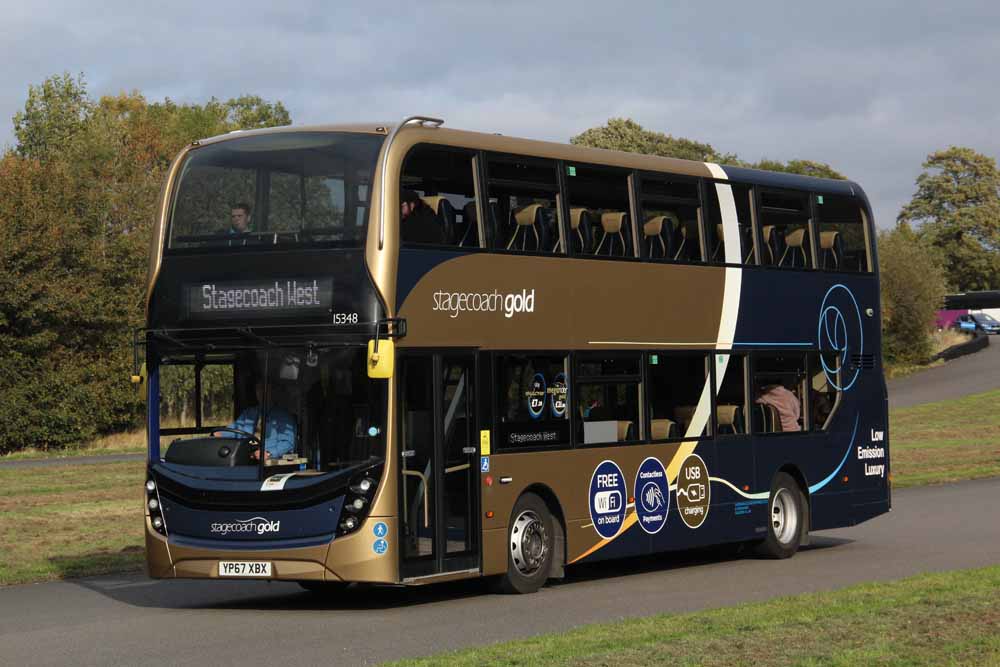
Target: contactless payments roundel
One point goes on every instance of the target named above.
(608, 498)
(652, 495)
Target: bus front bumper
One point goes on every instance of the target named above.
(352, 557)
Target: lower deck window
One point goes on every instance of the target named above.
(676, 383)
(607, 399)
(779, 383)
(532, 406)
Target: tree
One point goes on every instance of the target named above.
(803, 167)
(55, 111)
(913, 288)
(624, 134)
(957, 209)
(77, 202)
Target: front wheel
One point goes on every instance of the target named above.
(786, 512)
(530, 543)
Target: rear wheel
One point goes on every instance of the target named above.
(786, 512)
(530, 539)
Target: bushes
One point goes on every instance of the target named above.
(77, 199)
(913, 289)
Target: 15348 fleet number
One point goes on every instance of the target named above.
(345, 318)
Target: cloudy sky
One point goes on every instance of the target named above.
(871, 90)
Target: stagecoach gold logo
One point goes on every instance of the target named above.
(693, 491)
(509, 304)
(257, 524)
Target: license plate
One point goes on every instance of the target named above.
(244, 568)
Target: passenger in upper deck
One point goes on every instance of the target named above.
(239, 219)
(417, 222)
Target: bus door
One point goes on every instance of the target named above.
(439, 470)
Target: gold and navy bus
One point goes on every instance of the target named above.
(409, 354)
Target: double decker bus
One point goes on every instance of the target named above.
(409, 354)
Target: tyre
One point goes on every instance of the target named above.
(786, 514)
(530, 540)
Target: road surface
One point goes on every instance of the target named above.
(134, 621)
(971, 374)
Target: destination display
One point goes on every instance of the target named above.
(259, 298)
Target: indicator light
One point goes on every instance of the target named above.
(489, 514)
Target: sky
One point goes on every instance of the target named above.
(870, 88)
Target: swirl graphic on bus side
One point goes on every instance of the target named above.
(839, 329)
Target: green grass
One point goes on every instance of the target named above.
(79, 520)
(131, 442)
(947, 441)
(70, 521)
(938, 619)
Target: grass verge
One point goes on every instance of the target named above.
(70, 521)
(947, 441)
(130, 442)
(938, 619)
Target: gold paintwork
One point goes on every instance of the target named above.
(627, 305)
(565, 473)
(158, 238)
(351, 558)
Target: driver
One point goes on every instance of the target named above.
(280, 427)
(239, 220)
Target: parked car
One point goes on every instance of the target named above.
(982, 322)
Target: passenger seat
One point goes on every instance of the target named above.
(445, 213)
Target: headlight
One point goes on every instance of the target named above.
(363, 486)
(355, 505)
(349, 524)
(150, 485)
(157, 522)
(154, 504)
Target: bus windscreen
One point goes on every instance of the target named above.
(322, 412)
(298, 188)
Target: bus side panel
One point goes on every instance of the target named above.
(846, 467)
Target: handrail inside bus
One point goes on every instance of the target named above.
(423, 479)
(423, 120)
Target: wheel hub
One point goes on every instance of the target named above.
(528, 543)
(784, 516)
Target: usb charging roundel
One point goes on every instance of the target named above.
(607, 499)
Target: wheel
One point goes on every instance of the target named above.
(786, 509)
(530, 539)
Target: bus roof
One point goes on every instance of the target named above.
(550, 149)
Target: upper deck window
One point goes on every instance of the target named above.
(446, 213)
(784, 229)
(281, 189)
(843, 245)
(523, 204)
(670, 212)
